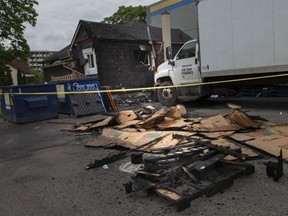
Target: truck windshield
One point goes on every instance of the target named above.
(188, 51)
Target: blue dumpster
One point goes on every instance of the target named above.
(26, 107)
(65, 104)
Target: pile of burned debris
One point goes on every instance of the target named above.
(133, 98)
(183, 158)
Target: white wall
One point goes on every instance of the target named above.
(14, 75)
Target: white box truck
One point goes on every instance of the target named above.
(237, 39)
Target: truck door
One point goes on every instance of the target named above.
(185, 67)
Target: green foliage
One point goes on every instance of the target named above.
(38, 76)
(24, 80)
(9, 80)
(3, 71)
(6, 77)
(127, 14)
(19, 77)
(14, 14)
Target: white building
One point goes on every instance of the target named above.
(183, 15)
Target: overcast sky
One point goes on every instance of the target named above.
(57, 19)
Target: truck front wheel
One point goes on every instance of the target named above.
(167, 96)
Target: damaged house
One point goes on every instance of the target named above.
(118, 55)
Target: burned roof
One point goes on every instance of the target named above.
(60, 55)
(131, 31)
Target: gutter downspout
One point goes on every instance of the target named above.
(153, 57)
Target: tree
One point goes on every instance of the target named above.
(6, 77)
(14, 14)
(24, 80)
(9, 80)
(3, 70)
(127, 14)
(38, 76)
(19, 77)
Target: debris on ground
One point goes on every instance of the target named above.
(133, 98)
(275, 169)
(182, 158)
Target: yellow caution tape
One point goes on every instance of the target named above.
(151, 88)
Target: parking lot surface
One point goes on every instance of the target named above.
(42, 172)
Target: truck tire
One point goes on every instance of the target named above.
(167, 96)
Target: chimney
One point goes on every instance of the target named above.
(166, 31)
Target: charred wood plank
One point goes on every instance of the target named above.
(210, 145)
(109, 159)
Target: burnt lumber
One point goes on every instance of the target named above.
(210, 145)
(275, 169)
(185, 179)
(106, 160)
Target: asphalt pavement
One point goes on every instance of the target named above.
(42, 172)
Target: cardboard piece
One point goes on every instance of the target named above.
(127, 124)
(233, 121)
(241, 137)
(130, 140)
(215, 135)
(155, 118)
(168, 141)
(172, 123)
(125, 116)
(272, 147)
(246, 151)
(177, 112)
(103, 123)
(240, 118)
(214, 123)
(270, 139)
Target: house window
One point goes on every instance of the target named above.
(90, 66)
(141, 57)
(91, 63)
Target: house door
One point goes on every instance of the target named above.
(90, 66)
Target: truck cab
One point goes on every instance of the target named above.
(182, 70)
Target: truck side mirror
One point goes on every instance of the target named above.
(169, 56)
(168, 53)
(196, 61)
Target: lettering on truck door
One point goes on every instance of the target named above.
(185, 68)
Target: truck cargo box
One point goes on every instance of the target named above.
(243, 37)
